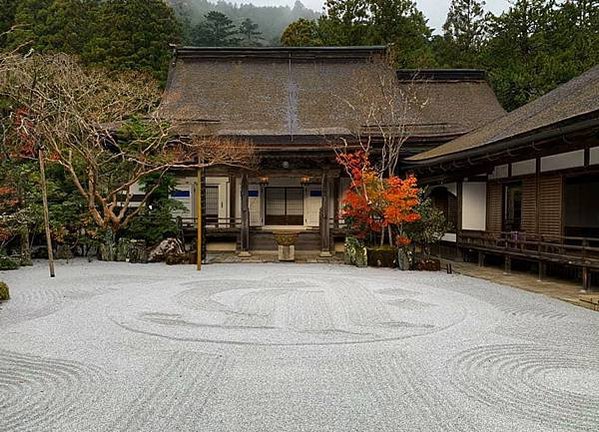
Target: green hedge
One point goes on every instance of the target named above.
(8, 263)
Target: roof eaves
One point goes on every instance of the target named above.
(573, 124)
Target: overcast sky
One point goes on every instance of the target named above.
(435, 10)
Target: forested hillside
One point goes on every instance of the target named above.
(271, 20)
(528, 50)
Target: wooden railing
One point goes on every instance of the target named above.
(581, 251)
(213, 222)
(235, 223)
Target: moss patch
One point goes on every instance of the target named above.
(4, 294)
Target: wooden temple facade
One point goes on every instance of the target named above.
(524, 189)
(294, 105)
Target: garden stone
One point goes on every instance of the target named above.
(170, 246)
(176, 259)
(138, 253)
(355, 253)
(123, 249)
(63, 252)
(403, 260)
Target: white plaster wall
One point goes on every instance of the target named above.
(524, 167)
(450, 237)
(255, 204)
(500, 171)
(562, 161)
(594, 156)
(474, 206)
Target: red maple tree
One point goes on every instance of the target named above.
(375, 205)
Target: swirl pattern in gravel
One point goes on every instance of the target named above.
(37, 392)
(518, 378)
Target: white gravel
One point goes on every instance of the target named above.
(266, 347)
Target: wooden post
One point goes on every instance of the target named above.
(46, 211)
(586, 279)
(325, 232)
(336, 191)
(232, 200)
(199, 219)
(481, 259)
(542, 270)
(508, 264)
(460, 197)
(245, 217)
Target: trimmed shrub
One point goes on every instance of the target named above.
(4, 293)
(8, 263)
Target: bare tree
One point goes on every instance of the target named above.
(384, 114)
(99, 127)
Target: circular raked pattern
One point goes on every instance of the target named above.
(543, 384)
(289, 311)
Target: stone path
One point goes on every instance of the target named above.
(274, 347)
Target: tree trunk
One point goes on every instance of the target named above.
(25, 249)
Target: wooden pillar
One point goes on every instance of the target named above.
(460, 193)
(325, 232)
(245, 217)
(199, 216)
(336, 192)
(508, 264)
(481, 259)
(232, 200)
(586, 279)
(542, 270)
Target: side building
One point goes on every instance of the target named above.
(525, 188)
(295, 105)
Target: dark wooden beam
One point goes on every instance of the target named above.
(325, 234)
(245, 217)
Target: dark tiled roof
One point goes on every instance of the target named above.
(306, 91)
(578, 97)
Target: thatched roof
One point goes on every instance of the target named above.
(577, 98)
(300, 92)
(453, 101)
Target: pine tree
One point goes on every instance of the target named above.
(518, 54)
(216, 30)
(463, 33)
(248, 29)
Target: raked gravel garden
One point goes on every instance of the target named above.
(275, 347)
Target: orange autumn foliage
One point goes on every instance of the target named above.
(373, 204)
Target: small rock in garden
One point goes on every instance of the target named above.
(170, 246)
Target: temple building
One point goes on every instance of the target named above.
(524, 189)
(297, 105)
